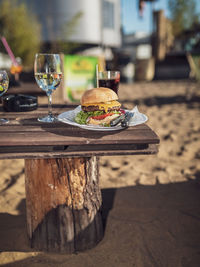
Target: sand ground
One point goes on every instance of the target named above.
(151, 204)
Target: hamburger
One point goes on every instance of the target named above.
(98, 107)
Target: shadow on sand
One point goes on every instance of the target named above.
(165, 100)
(144, 226)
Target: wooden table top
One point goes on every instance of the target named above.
(25, 137)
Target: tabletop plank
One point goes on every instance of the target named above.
(74, 151)
(25, 134)
(68, 135)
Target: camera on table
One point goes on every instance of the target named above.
(19, 103)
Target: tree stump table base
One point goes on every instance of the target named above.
(62, 189)
(63, 202)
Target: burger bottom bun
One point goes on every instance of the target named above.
(104, 121)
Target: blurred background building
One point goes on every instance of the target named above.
(99, 22)
(111, 28)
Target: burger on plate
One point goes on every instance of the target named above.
(99, 106)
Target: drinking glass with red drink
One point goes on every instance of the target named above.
(109, 79)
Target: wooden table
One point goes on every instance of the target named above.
(63, 198)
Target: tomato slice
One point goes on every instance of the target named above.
(122, 111)
(103, 116)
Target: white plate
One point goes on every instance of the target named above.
(68, 117)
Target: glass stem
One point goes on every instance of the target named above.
(50, 105)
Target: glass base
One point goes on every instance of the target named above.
(4, 121)
(48, 119)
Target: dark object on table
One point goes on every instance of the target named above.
(117, 120)
(123, 119)
(128, 116)
(19, 103)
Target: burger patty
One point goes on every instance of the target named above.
(96, 108)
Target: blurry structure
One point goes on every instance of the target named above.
(172, 62)
(194, 62)
(136, 57)
(99, 23)
(5, 61)
(16, 66)
(159, 40)
(162, 35)
(189, 40)
(141, 6)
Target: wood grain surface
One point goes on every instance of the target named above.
(63, 202)
(24, 134)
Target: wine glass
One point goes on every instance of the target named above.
(4, 82)
(48, 75)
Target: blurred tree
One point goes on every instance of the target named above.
(65, 45)
(183, 15)
(20, 29)
(68, 31)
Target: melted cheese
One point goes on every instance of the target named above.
(105, 106)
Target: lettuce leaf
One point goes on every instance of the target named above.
(82, 116)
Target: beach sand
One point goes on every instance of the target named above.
(151, 203)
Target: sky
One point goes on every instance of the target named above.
(130, 16)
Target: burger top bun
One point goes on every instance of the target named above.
(98, 95)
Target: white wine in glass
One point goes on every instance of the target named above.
(48, 75)
(4, 82)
